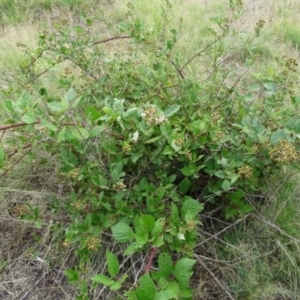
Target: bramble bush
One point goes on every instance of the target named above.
(148, 138)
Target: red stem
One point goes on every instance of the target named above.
(150, 260)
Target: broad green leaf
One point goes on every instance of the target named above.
(81, 133)
(112, 264)
(147, 223)
(29, 118)
(146, 289)
(55, 106)
(164, 295)
(103, 279)
(158, 241)
(165, 264)
(191, 206)
(183, 270)
(92, 113)
(184, 185)
(122, 232)
(226, 185)
(171, 110)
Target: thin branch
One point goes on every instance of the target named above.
(36, 77)
(16, 125)
(177, 69)
(35, 59)
(203, 50)
(221, 231)
(111, 39)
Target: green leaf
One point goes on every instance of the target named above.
(147, 223)
(55, 106)
(112, 264)
(164, 295)
(70, 95)
(191, 206)
(278, 135)
(165, 264)
(184, 185)
(122, 232)
(105, 280)
(50, 126)
(132, 248)
(62, 135)
(116, 286)
(226, 185)
(158, 227)
(171, 110)
(152, 140)
(28, 118)
(73, 275)
(81, 133)
(183, 271)
(89, 22)
(146, 289)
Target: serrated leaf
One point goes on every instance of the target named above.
(158, 227)
(165, 264)
(146, 289)
(112, 264)
(191, 206)
(105, 280)
(28, 118)
(171, 110)
(183, 271)
(122, 232)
